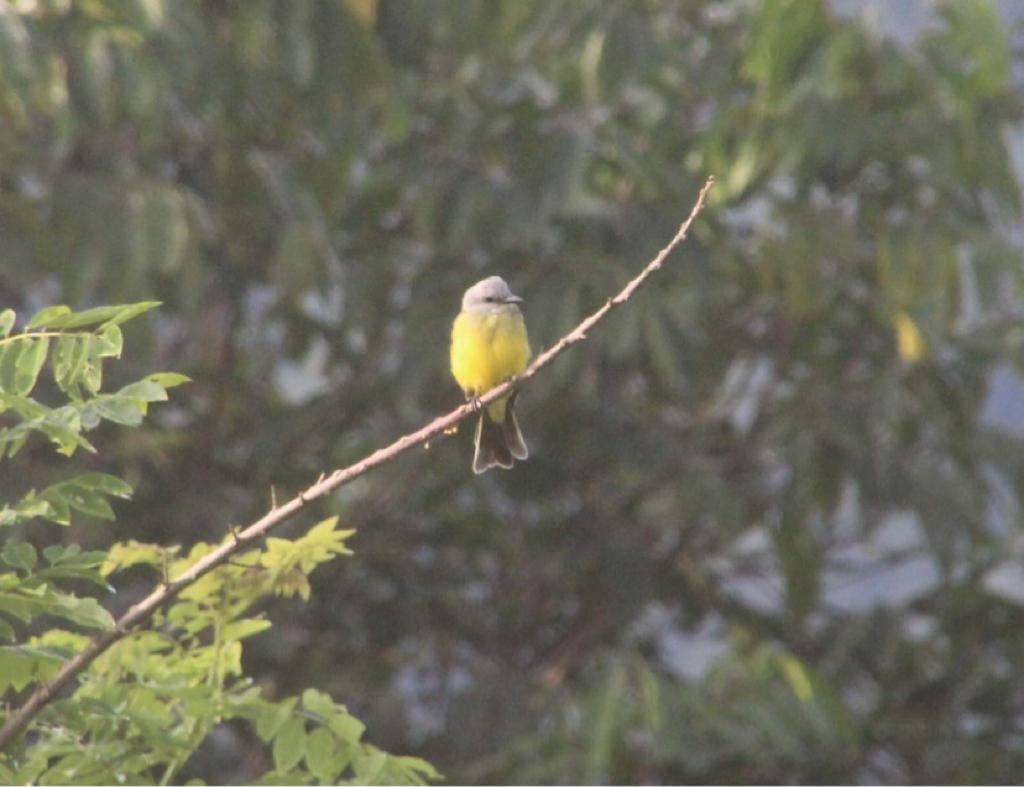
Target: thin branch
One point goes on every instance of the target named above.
(44, 694)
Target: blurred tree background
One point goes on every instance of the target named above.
(770, 529)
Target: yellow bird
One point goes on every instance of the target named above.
(490, 345)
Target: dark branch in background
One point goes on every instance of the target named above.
(45, 693)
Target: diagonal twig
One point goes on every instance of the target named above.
(44, 694)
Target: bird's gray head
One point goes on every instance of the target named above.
(490, 295)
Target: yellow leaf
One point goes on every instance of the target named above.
(365, 11)
(796, 676)
(909, 341)
(131, 553)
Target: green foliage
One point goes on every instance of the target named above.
(76, 361)
(34, 585)
(148, 702)
(143, 707)
(799, 450)
(633, 717)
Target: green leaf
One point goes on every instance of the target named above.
(274, 717)
(29, 364)
(346, 726)
(130, 311)
(57, 553)
(61, 317)
(68, 563)
(47, 316)
(240, 629)
(318, 702)
(22, 664)
(125, 554)
(147, 390)
(92, 369)
(16, 669)
(30, 770)
(6, 322)
(606, 723)
(15, 604)
(369, 765)
(289, 744)
(18, 554)
(90, 503)
(168, 379)
(60, 510)
(797, 676)
(62, 425)
(10, 353)
(120, 409)
(6, 631)
(83, 611)
(28, 508)
(109, 342)
(91, 575)
(105, 483)
(412, 770)
(68, 363)
(324, 756)
(73, 494)
(64, 428)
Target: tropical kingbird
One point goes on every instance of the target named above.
(490, 345)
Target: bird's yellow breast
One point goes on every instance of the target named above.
(486, 350)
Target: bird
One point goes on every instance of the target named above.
(490, 345)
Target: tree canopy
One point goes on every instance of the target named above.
(769, 530)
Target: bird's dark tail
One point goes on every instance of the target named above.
(498, 444)
(513, 436)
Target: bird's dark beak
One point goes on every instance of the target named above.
(513, 299)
